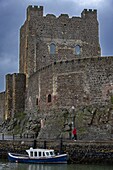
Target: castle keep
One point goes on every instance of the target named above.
(53, 52)
(60, 65)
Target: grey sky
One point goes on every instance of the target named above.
(12, 16)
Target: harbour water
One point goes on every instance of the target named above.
(4, 165)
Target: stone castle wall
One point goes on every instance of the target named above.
(39, 32)
(2, 105)
(15, 94)
(54, 79)
(70, 83)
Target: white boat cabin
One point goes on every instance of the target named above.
(40, 153)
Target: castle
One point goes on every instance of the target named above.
(60, 65)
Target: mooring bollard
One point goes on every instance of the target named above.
(34, 144)
(44, 144)
(61, 145)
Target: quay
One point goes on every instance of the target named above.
(78, 151)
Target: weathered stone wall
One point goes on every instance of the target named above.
(8, 96)
(79, 152)
(2, 105)
(19, 89)
(100, 79)
(90, 152)
(40, 31)
(72, 83)
(15, 94)
(82, 83)
(92, 123)
(58, 81)
(23, 49)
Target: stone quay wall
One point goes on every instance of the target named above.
(78, 151)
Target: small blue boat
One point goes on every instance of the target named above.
(38, 156)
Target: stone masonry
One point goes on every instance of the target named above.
(60, 66)
(15, 94)
(2, 105)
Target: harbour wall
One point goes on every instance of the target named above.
(78, 151)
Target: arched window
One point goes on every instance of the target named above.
(37, 101)
(49, 98)
(52, 48)
(77, 50)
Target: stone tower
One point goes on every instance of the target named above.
(48, 39)
(45, 40)
(14, 94)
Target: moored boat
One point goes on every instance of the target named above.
(38, 156)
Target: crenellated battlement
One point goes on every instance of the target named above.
(33, 11)
(51, 16)
(35, 7)
(64, 16)
(37, 11)
(89, 13)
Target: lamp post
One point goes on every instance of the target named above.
(12, 116)
(71, 121)
(73, 117)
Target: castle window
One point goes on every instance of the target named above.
(49, 98)
(52, 48)
(77, 50)
(37, 102)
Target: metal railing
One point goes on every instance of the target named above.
(16, 137)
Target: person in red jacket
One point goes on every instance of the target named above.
(74, 134)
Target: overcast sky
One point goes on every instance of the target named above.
(13, 14)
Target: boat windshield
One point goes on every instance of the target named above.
(31, 153)
(47, 153)
(40, 153)
(51, 153)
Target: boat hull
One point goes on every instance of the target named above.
(25, 159)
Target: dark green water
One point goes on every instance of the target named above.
(18, 166)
